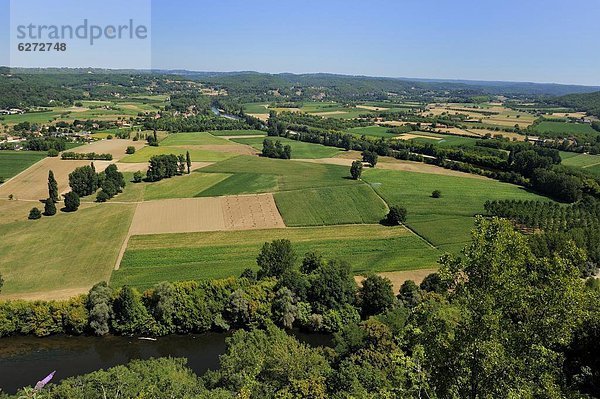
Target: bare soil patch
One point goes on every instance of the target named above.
(262, 117)
(32, 184)
(244, 212)
(55, 295)
(370, 108)
(329, 113)
(178, 216)
(420, 167)
(398, 278)
(410, 136)
(396, 164)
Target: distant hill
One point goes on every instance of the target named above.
(390, 84)
(589, 102)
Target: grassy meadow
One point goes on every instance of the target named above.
(14, 162)
(65, 251)
(197, 154)
(551, 128)
(300, 149)
(330, 205)
(198, 256)
(446, 221)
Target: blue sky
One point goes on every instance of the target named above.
(538, 41)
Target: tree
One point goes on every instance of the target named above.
(71, 201)
(130, 150)
(285, 310)
(396, 215)
(516, 313)
(276, 150)
(162, 167)
(410, 295)
(1, 282)
(102, 196)
(433, 283)
(376, 295)
(52, 187)
(356, 170)
(436, 194)
(181, 163)
(370, 157)
(269, 364)
(113, 175)
(188, 161)
(49, 207)
(138, 176)
(276, 258)
(332, 286)
(99, 306)
(311, 262)
(130, 315)
(84, 180)
(34, 214)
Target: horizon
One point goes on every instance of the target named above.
(405, 78)
(511, 43)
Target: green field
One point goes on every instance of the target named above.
(238, 133)
(446, 221)
(65, 251)
(14, 162)
(197, 155)
(563, 128)
(587, 162)
(300, 149)
(447, 140)
(198, 256)
(579, 160)
(183, 139)
(373, 131)
(186, 186)
(256, 175)
(331, 205)
(325, 108)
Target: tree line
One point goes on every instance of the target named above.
(497, 322)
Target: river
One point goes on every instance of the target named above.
(26, 360)
(218, 112)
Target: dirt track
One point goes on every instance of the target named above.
(184, 215)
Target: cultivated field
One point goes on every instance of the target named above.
(197, 153)
(206, 214)
(502, 116)
(59, 256)
(563, 129)
(446, 222)
(14, 162)
(331, 205)
(172, 257)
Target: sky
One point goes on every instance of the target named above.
(547, 41)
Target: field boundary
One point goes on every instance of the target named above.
(21, 172)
